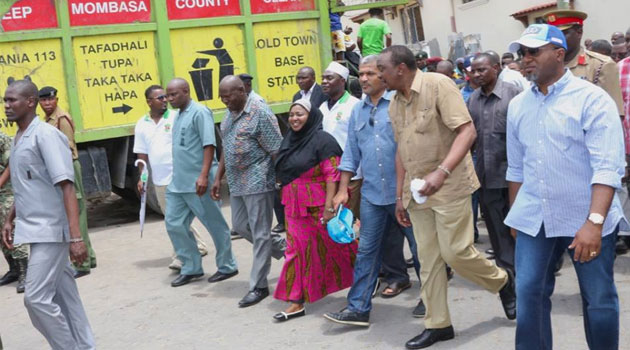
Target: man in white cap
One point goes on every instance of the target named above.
(337, 110)
(565, 162)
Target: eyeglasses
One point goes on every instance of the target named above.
(161, 97)
(532, 51)
(372, 112)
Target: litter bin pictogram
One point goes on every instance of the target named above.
(203, 78)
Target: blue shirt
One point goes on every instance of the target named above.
(558, 146)
(192, 131)
(335, 21)
(371, 144)
(467, 91)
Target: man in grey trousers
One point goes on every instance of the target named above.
(46, 215)
(251, 137)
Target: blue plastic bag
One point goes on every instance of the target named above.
(340, 227)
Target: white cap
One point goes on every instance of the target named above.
(304, 103)
(339, 69)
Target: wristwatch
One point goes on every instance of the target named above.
(596, 218)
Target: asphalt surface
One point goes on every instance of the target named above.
(131, 305)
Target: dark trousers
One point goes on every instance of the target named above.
(278, 208)
(394, 266)
(495, 206)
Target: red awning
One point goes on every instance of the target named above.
(529, 10)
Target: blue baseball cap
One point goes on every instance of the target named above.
(468, 62)
(538, 35)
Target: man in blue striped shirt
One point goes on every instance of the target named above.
(565, 161)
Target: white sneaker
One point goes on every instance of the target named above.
(175, 265)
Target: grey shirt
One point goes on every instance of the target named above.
(40, 159)
(489, 113)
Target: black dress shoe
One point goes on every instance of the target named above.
(220, 276)
(284, 316)
(348, 317)
(420, 310)
(430, 336)
(79, 274)
(279, 228)
(508, 297)
(254, 297)
(9, 277)
(185, 279)
(490, 253)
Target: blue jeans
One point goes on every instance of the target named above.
(375, 221)
(535, 260)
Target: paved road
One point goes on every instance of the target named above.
(131, 305)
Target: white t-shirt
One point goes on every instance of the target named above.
(511, 76)
(337, 118)
(156, 140)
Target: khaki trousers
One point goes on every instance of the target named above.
(160, 193)
(445, 236)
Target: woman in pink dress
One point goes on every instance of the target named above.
(306, 168)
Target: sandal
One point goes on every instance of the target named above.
(395, 289)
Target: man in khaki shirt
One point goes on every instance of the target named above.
(61, 120)
(434, 133)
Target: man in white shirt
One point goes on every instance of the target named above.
(153, 144)
(337, 111)
(309, 89)
(510, 76)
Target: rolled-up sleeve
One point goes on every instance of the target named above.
(351, 157)
(515, 150)
(53, 146)
(603, 136)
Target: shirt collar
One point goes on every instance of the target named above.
(417, 81)
(387, 96)
(560, 84)
(309, 90)
(497, 91)
(165, 116)
(55, 114)
(31, 127)
(574, 62)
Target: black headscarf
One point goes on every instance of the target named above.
(300, 151)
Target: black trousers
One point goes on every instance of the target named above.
(278, 208)
(495, 205)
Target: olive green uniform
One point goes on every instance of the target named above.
(62, 121)
(19, 251)
(600, 70)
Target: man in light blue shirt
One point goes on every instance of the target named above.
(565, 161)
(187, 196)
(371, 145)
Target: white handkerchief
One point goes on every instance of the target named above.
(415, 186)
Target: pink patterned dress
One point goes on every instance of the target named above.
(315, 265)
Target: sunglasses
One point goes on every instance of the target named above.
(372, 112)
(161, 97)
(532, 51)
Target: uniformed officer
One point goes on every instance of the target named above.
(60, 119)
(596, 68)
(46, 216)
(17, 258)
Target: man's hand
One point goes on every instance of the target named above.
(201, 185)
(433, 182)
(78, 253)
(215, 191)
(513, 233)
(7, 241)
(341, 198)
(401, 215)
(140, 183)
(587, 240)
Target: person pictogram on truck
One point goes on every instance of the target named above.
(202, 77)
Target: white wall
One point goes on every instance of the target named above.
(491, 19)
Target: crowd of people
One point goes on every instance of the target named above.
(534, 140)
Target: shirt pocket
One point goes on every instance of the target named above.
(423, 122)
(565, 129)
(361, 132)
